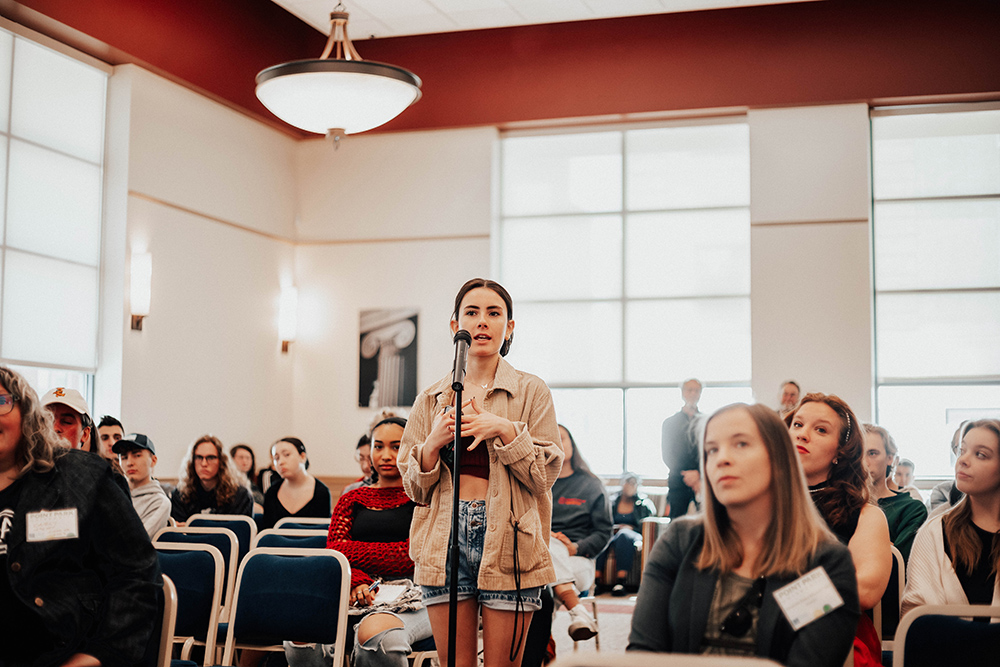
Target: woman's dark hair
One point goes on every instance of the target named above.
(499, 289)
(847, 489)
(576, 461)
(295, 442)
(253, 459)
(398, 421)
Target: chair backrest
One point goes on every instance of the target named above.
(652, 527)
(169, 622)
(302, 522)
(582, 659)
(936, 635)
(276, 599)
(222, 539)
(291, 538)
(892, 598)
(197, 573)
(243, 526)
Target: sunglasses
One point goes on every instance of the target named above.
(740, 619)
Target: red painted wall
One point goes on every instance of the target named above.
(795, 54)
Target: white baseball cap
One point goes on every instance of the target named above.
(70, 397)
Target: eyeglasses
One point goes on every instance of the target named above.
(740, 620)
(7, 402)
(211, 458)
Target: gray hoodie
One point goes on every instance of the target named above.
(152, 505)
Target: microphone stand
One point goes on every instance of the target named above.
(453, 588)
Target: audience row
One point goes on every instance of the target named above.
(779, 542)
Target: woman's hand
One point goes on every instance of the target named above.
(442, 433)
(82, 660)
(361, 596)
(570, 544)
(481, 425)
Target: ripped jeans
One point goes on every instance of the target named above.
(388, 648)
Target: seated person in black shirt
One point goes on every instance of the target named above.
(299, 494)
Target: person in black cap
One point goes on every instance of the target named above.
(137, 456)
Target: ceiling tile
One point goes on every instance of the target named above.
(611, 8)
(362, 29)
(388, 18)
(488, 18)
(553, 11)
(459, 6)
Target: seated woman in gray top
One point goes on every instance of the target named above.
(710, 585)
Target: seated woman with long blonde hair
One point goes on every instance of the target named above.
(711, 581)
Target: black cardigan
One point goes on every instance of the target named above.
(674, 600)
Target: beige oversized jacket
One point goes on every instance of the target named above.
(534, 459)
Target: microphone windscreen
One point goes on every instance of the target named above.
(463, 335)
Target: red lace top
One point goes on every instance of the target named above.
(389, 560)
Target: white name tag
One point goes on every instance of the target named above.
(55, 525)
(809, 597)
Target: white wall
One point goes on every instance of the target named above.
(337, 282)
(396, 186)
(401, 220)
(208, 358)
(811, 252)
(432, 188)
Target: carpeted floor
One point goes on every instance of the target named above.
(614, 618)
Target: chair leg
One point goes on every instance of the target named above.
(593, 612)
(592, 601)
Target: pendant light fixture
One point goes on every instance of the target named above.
(337, 95)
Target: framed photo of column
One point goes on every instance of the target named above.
(387, 365)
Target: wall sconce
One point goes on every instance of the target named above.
(140, 287)
(288, 316)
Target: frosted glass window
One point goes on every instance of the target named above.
(58, 101)
(49, 311)
(937, 244)
(567, 342)
(43, 379)
(54, 204)
(923, 420)
(594, 417)
(3, 181)
(572, 173)
(645, 410)
(704, 338)
(688, 253)
(611, 271)
(6, 55)
(938, 335)
(688, 167)
(563, 258)
(935, 155)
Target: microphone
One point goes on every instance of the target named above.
(462, 340)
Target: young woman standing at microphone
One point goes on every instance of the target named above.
(510, 461)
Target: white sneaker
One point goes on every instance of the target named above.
(581, 625)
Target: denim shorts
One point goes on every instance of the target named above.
(471, 536)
